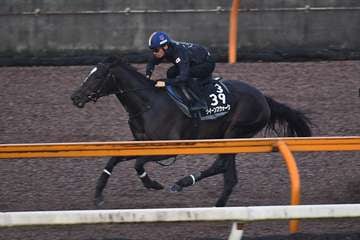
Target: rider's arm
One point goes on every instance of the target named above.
(183, 63)
(151, 66)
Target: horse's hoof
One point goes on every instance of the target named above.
(99, 201)
(157, 186)
(176, 188)
(153, 185)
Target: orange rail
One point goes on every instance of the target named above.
(233, 31)
(151, 148)
(294, 180)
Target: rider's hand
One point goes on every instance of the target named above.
(148, 73)
(160, 84)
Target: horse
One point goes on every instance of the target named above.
(153, 115)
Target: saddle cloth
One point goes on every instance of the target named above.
(215, 94)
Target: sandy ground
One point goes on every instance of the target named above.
(35, 107)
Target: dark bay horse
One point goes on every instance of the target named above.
(153, 115)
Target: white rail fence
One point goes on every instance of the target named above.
(231, 214)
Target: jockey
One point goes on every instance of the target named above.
(191, 61)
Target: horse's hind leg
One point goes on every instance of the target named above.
(216, 168)
(230, 180)
(225, 164)
(144, 177)
(104, 177)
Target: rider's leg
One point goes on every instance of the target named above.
(201, 76)
(172, 72)
(202, 71)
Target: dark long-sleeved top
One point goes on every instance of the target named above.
(183, 55)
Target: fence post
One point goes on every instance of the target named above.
(233, 31)
(294, 179)
(236, 231)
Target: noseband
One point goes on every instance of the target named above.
(95, 95)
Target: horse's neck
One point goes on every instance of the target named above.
(137, 91)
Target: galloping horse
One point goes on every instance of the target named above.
(153, 115)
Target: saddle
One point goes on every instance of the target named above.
(211, 102)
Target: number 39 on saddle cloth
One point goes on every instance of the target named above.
(214, 100)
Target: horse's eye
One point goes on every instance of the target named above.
(92, 95)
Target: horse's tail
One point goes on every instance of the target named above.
(292, 123)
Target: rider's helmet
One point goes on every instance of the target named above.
(158, 39)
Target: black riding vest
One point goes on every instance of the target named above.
(183, 55)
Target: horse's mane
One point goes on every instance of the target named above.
(123, 62)
(118, 61)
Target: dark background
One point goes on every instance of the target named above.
(63, 32)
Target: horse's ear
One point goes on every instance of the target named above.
(112, 60)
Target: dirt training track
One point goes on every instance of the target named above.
(35, 107)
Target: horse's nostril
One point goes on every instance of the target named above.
(80, 105)
(77, 101)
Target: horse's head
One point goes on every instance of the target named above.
(99, 82)
(112, 76)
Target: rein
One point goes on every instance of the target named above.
(122, 92)
(94, 96)
(125, 91)
(169, 162)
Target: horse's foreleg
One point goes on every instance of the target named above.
(143, 175)
(104, 177)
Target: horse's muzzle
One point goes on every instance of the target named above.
(77, 101)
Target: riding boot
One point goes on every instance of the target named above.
(197, 100)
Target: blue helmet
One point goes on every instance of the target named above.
(158, 39)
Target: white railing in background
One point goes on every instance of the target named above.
(232, 214)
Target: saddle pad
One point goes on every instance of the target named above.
(216, 95)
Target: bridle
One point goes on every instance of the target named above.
(95, 95)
